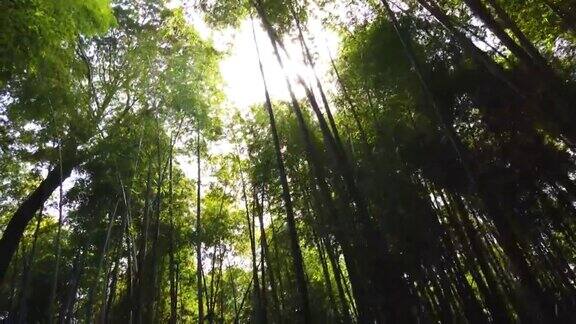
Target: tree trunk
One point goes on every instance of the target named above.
(57, 243)
(279, 264)
(259, 311)
(351, 105)
(327, 280)
(310, 62)
(481, 57)
(67, 309)
(524, 41)
(266, 255)
(25, 212)
(514, 251)
(199, 233)
(479, 10)
(294, 243)
(469, 238)
(171, 247)
(23, 304)
(112, 293)
(140, 273)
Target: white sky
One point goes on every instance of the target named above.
(239, 69)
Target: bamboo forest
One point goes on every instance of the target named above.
(287, 161)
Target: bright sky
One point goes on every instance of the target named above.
(243, 85)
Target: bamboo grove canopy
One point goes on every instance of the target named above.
(418, 167)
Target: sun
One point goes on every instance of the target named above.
(239, 67)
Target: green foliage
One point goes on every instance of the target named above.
(445, 192)
(39, 37)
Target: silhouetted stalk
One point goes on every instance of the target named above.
(94, 289)
(326, 274)
(467, 44)
(171, 247)
(58, 247)
(258, 210)
(479, 10)
(108, 302)
(66, 311)
(524, 41)
(294, 244)
(23, 300)
(199, 275)
(309, 61)
(259, 309)
(351, 106)
(268, 261)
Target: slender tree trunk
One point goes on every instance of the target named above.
(237, 315)
(23, 304)
(468, 45)
(111, 294)
(156, 259)
(217, 300)
(94, 289)
(199, 233)
(129, 274)
(278, 267)
(338, 277)
(469, 238)
(25, 212)
(310, 62)
(263, 295)
(524, 41)
(479, 10)
(210, 292)
(294, 243)
(351, 105)
(259, 311)
(311, 152)
(171, 247)
(141, 272)
(217, 294)
(354, 197)
(514, 251)
(266, 255)
(234, 294)
(67, 309)
(178, 287)
(222, 305)
(327, 280)
(206, 295)
(57, 243)
(473, 310)
(406, 43)
(155, 262)
(472, 307)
